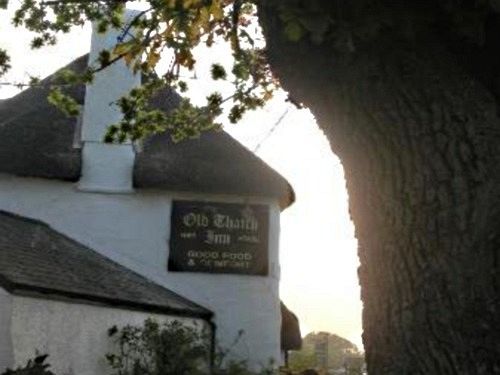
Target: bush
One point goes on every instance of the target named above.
(154, 349)
(36, 366)
(172, 348)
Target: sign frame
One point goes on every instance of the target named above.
(219, 238)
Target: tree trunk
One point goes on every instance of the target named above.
(419, 139)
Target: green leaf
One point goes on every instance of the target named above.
(214, 99)
(68, 76)
(236, 113)
(33, 81)
(104, 57)
(183, 87)
(4, 62)
(65, 103)
(218, 72)
(4, 4)
(37, 42)
(294, 30)
(112, 331)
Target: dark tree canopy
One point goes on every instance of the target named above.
(408, 95)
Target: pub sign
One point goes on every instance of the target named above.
(217, 237)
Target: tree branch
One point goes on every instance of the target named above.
(61, 2)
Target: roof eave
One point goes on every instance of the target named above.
(75, 297)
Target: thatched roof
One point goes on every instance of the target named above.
(36, 140)
(37, 261)
(291, 338)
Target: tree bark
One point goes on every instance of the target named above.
(419, 139)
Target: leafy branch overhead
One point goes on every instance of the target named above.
(176, 26)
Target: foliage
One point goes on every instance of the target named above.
(241, 368)
(301, 360)
(341, 353)
(172, 348)
(174, 25)
(154, 349)
(354, 364)
(159, 349)
(182, 25)
(4, 62)
(36, 366)
(178, 26)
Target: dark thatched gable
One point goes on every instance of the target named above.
(37, 261)
(291, 338)
(38, 141)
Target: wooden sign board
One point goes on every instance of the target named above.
(219, 238)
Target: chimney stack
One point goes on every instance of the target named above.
(106, 168)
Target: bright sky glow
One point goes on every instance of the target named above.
(318, 249)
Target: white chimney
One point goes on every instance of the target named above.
(106, 167)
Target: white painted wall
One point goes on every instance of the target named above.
(133, 229)
(74, 335)
(6, 354)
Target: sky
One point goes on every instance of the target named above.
(317, 245)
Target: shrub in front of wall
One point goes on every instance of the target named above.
(172, 348)
(35, 366)
(159, 349)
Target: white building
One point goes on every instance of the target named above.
(125, 208)
(59, 297)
